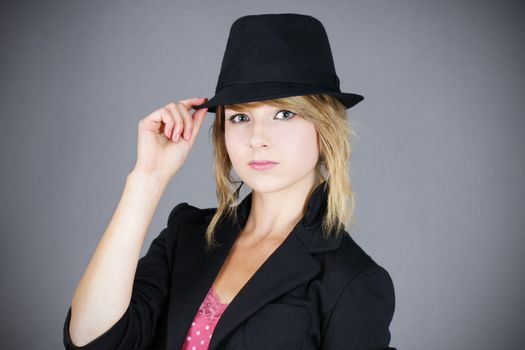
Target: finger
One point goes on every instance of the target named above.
(194, 101)
(177, 128)
(188, 121)
(169, 120)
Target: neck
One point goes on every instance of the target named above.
(274, 214)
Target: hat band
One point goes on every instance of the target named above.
(257, 73)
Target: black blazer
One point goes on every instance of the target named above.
(311, 293)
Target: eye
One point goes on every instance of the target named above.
(231, 118)
(291, 114)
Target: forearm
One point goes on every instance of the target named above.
(104, 291)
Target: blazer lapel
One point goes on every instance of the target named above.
(287, 267)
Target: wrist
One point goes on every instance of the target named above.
(147, 179)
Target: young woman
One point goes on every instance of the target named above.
(276, 271)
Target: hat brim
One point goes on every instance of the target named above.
(270, 90)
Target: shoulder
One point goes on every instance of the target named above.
(350, 268)
(363, 274)
(184, 215)
(189, 214)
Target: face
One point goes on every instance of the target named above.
(267, 133)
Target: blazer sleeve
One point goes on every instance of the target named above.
(361, 317)
(137, 326)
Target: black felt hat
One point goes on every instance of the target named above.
(277, 55)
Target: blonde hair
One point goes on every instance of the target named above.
(329, 116)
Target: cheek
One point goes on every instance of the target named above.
(301, 144)
(233, 141)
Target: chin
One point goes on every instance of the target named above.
(271, 183)
(265, 184)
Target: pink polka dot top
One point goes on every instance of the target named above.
(199, 334)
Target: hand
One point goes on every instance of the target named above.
(166, 136)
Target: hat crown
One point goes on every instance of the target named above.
(286, 47)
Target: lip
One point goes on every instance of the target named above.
(262, 164)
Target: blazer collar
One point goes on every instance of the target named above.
(308, 230)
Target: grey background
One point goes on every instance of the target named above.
(438, 166)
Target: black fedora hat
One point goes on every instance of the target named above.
(277, 55)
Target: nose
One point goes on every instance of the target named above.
(260, 135)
